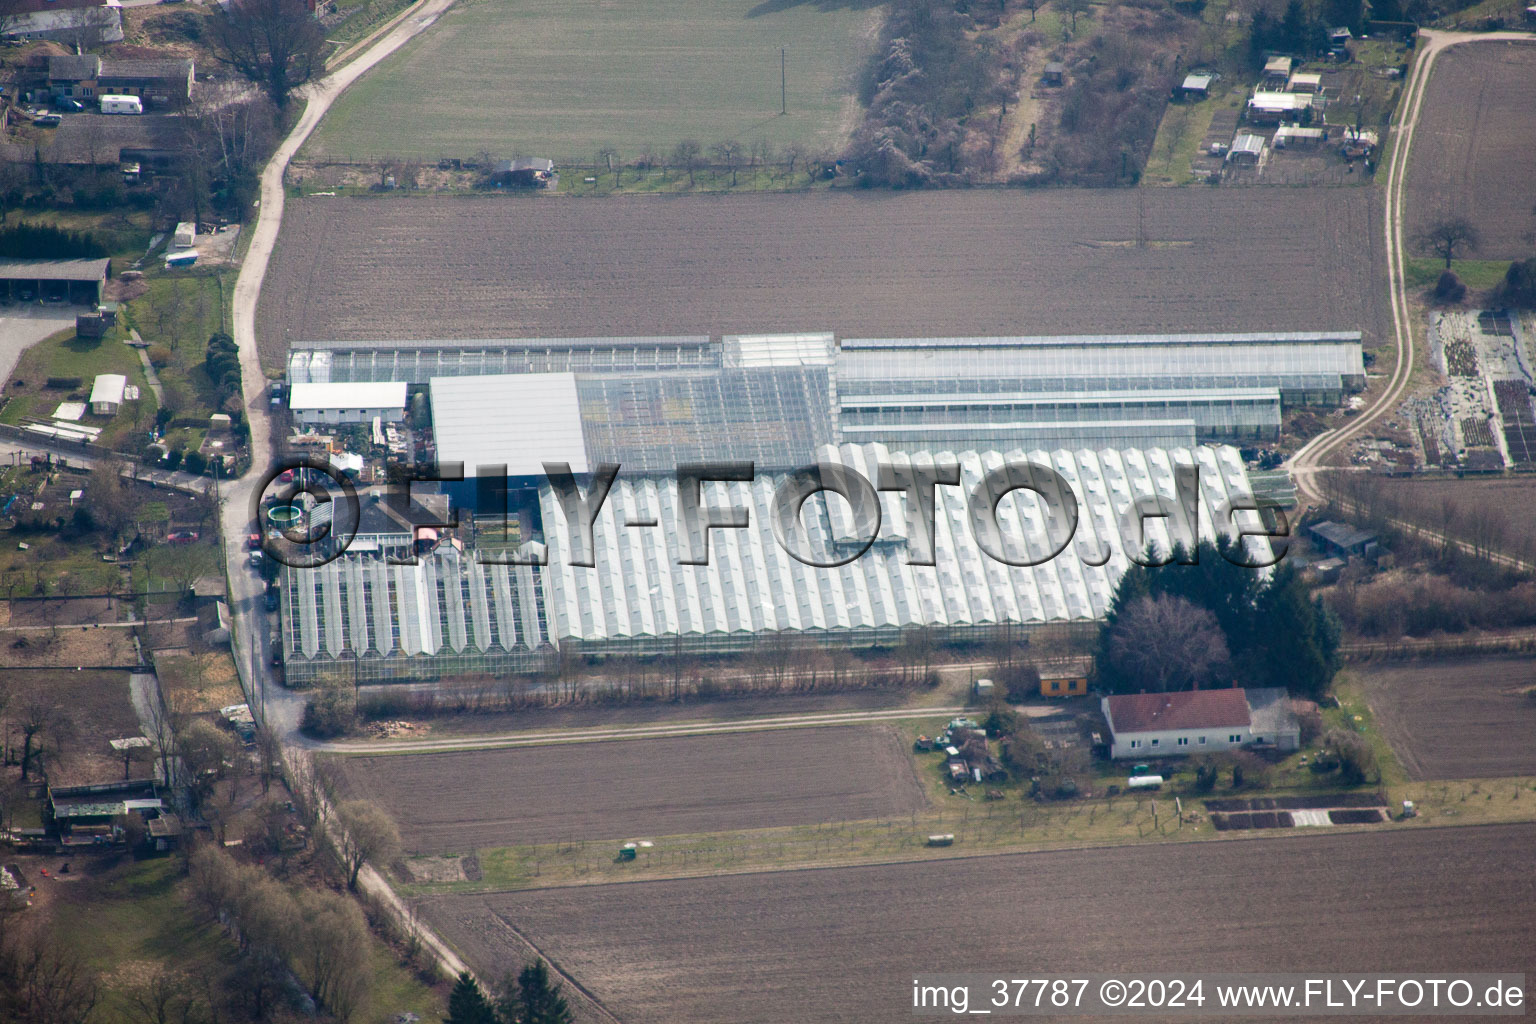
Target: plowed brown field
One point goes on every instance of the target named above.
(462, 801)
(842, 945)
(1457, 719)
(1472, 150)
(860, 264)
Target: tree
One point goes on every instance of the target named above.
(467, 1004)
(1074, 8)
(367, 834)
(205, 749)
(1448, 288)
(728, 153)
(112, 507)
(686, 154)
(276, 44)
(1519, 288)
(1448, 236)
(333, 954)
(1165, 643)
(535, 999)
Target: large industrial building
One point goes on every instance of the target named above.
(360, 618)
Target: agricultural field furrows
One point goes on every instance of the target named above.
(1472, 148)
(1457, 719)
(994, 262)
(563, 78)
(458, 802)
(842, 944)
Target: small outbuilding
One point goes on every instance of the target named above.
(1277, 70)
(1309, 82)
(354, 402)
(1246, 151)
(1196, 87)
(107, 393)
(1341, 539)
(1275, 107)
(1055, 73)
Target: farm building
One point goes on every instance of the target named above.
(76, 281)
(1065, 678)
(93, 21)
(1196, 87)
(1054, 73)
(451, 614)
(347, 403)
(417, 362)
(1342, 539)
(1199, 722)
(107, 393)
(1246, 150)
(164, 83)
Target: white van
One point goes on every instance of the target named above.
(121, 105)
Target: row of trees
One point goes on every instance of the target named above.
(317, 937)
(45, 242)
(1201, 621)
(531, 997)
(1301, 30)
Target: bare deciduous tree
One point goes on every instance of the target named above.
(1166, 643)
(276, 44)
(1448, 237)
(686, 154)
(366, 834)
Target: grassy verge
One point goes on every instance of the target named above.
(1479, 275)
(1178, 141)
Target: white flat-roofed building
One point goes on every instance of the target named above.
(516, 420)
(347, 403)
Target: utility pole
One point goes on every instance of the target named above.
(783, 85)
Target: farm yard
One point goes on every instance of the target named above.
(744, 947)
(900, 265)
(1457, 719)
(457, 802)
(1472, 149)
(562, 80)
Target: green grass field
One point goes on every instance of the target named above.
(563, 79)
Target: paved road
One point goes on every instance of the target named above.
(1311, 459)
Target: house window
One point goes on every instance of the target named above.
(1135, 744)
(1234, 738)
(1155, 742)
(1202, 741)
(1183, 741)
(1055, 684)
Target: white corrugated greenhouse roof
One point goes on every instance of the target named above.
(1075, 340)
(778, 349)
(638, 589)
(372, 395)
(108, 387)
(520, 420)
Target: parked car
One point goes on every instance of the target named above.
(66, 103)
(253, 542)
(181, 537)
(47, 120)
(256, 559)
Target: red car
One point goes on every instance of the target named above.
(253, 542)
(182, 537)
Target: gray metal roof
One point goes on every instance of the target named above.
(54, 270)
(417, 362)
(1129, 340)
(520, 420)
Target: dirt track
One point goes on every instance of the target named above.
(1457, 719)
(841, 945)
(876, 264)
(457, 802)
(1472, 153)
